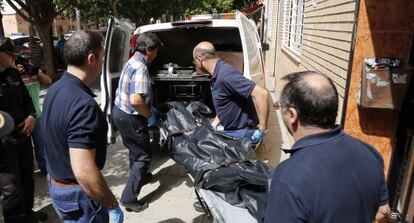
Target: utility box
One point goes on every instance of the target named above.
(384, 83)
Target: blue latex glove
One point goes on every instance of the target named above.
(257, 136)
(154, 116)
(116, 215)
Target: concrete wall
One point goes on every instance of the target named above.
(61, 25)
(385, 29)
(10, 24)
(22, 25)
(13, 23)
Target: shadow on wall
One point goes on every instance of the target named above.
(384, 30)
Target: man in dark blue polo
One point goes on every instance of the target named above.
(75, 131)
(330, 176)
(242, 107)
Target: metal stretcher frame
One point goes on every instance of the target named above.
(221, 211)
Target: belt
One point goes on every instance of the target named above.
(63, 184)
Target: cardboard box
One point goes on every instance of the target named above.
(384, 87)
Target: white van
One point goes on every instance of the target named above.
(172, 72)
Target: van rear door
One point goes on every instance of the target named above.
(252, 49)
(116, 54)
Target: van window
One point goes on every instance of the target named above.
(116, 52)
(255, 65)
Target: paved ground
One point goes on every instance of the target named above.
(171, 194)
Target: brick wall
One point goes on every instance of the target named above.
(326, 42)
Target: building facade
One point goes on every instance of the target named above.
(334, 37)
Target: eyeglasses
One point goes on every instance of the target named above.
(278, 106)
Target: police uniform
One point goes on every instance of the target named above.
(17, 154)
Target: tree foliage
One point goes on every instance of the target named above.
(41, 14)
(140, 11)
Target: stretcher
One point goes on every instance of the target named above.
(218, 209)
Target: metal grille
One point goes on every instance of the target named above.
(293, 25)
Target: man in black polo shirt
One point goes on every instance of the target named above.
(75, 133)
(242, 107)
(330, 176)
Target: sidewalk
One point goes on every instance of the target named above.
(171, 193)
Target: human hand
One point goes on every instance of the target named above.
(257, 136)
(154, 116)
(116, 215)
(20, 68)
(27, 125)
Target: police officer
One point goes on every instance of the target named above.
(15, 99)
(8, 191)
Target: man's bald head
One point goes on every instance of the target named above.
(313, 95)
(204, 48)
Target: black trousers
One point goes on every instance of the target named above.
(135, 137)
(18, 160)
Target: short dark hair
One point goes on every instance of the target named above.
(80, 45)
(316, 105)
(147, 41)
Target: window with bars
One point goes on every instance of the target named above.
(292, 38)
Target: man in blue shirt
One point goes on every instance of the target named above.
(75, 136)
(130, 114)
(330, 176)
(241, 106)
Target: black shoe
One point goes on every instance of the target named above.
(38, 216)
(198, 207)
(147, 178)
(137, 206)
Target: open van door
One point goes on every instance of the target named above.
(254, 65)
(116, 54)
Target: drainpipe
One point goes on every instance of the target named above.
(351, 60)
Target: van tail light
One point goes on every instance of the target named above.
(132, 43)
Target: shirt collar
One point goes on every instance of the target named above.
(215, 72)
(75, 80)
(316, 139)
(139, 57)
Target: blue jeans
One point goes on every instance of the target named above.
(242, 133)
(73, 205)
(38, 142)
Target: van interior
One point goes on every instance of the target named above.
(173, 72)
